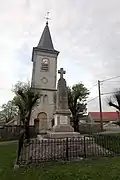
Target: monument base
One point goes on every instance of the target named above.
(58, 135)
(62, 128)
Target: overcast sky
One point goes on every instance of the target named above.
(86, 32)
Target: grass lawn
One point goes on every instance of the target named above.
(99, 169)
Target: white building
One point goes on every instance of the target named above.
(44, 73)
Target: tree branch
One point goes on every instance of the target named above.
(114, 105)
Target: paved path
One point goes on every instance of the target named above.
(7, 142)
(10, 142)
(110, 132)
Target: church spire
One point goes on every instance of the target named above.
(46, 40)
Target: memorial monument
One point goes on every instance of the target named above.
(62, 127)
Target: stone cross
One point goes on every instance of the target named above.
(61, 72)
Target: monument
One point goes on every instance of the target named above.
(62, 127)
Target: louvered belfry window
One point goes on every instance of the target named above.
(45, 65)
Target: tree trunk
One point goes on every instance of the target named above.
(20, 145)
(76, 127)
(27, 133)
(27, 130)
(22, 119)
(75, 124)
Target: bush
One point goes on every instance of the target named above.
(89, 128)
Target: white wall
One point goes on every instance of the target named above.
(38, 74)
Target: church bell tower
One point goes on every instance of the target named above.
(44, 58)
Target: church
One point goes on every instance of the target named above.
(44, 76)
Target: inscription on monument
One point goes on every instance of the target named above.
(63, 120)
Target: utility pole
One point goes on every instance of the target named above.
(100, 105)
(118, 115)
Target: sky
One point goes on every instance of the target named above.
(86, 32)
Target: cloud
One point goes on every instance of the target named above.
(87, 34)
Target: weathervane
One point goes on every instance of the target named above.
(47, 17)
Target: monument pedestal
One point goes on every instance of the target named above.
(59, 135)
(62, 121)
(62, 127)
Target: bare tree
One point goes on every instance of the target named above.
(114, 101)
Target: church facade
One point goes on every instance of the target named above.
(44, 74)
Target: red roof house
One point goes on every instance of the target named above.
(106, 116)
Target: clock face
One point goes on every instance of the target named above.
(45, 64)
(44, 80)
(45, 61)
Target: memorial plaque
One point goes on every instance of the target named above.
(63, 120)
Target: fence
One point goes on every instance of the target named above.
(13, 132)
(68, 149)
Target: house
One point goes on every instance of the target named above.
(106, 116)
(13, 122)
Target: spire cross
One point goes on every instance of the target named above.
(61, 72)
(47, 17)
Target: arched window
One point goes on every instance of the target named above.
(45, 64)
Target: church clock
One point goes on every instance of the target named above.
(45, 64)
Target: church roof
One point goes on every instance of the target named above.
(45, 44)
(106, 116)
(46, 40)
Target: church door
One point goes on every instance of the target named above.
(42, 121)
(36, 124)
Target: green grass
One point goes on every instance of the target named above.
(97, 169)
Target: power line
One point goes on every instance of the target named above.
(107, 93)
(110, 92)
(93, 86)
(113, 81)
(102, 94)
(92, 99)
(110, 78)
